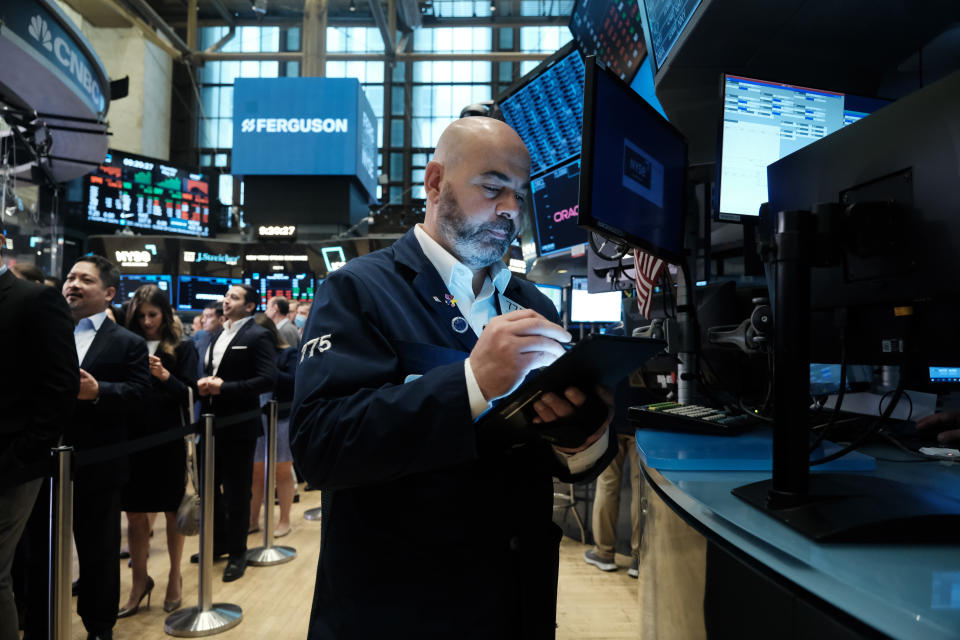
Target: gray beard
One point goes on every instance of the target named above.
(470, 242)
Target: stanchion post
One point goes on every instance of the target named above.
(269, 554)
(61, 527)
(208, 618)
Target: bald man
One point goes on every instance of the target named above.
(430, 531)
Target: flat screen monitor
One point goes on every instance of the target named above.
(555, 294)
(545, 107)
(555, 196)
(765, 121)
(194, 293)
(129, 283)
(825, 378)
(664, 22)
(292, 286)
(612, 31)
(586, 307)
(633, 167)
(127, 190)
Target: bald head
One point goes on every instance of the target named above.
(475, 186)
(468, 137)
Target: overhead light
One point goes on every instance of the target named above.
(260, 6)
(493, 7)
(353, 6)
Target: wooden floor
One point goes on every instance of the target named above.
(276, 600)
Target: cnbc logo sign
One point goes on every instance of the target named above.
(294, 125)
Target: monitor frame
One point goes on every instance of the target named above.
(180, 278)
(593, 69)
(533, 214)
(643, 36)
(569, 304)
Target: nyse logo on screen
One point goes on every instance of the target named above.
(294, 125)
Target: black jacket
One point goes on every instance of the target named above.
(424, 535)
(42, 379)
(117, 358)
(248, 368)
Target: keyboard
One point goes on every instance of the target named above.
(690, 418)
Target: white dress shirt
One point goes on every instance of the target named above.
(230, 330)
(86, 331)
(479, 310)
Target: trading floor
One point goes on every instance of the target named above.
(591, 605)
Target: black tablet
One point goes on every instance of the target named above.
(595, 360)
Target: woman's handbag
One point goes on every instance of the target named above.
(188, 513)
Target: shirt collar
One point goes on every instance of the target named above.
(3, 269)
(452, 270)
(234, 325)
(282, 322)
(96, 320)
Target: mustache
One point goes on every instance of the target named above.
(504, 225)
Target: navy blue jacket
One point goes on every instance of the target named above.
(422, 535)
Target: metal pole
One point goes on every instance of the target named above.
(269, 554)
(208, 618)
(61, 491)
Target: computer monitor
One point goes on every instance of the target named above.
(554, 197)
(129, 283)
(194, 293)
(634, 167)
(296, 286)
(825, 378)
(545, 107)
(663, 23)
(555, 294)
(593, 308)
(128, 190)
(612, 31)
(765, 121)
(881, 287)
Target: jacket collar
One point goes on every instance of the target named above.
(100, 341)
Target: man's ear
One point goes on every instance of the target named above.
(433, 179)
(111, 294)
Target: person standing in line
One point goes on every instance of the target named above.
(157, 475)
(114, 376)
(240, 364)
(38, 399)
(286, 369)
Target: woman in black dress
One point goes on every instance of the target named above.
(157, 476)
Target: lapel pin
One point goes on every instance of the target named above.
(460, 324)
(450, 300)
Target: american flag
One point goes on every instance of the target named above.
(646, 273)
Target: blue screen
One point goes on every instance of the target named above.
(555, 201)
(637, 170)
(547, 112)
(129, 283)
(666, 20)
(944, 374)
(194, 293)
(297, 286)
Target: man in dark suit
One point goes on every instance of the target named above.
(114, 374)
(37, 402)
(240, 364)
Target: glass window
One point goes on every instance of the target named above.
(220, 160)
(226, 189)
(545, 39)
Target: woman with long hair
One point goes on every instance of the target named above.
(158, 475)
(286, 367)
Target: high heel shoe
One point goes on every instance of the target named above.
(173, 605)
(126, 613)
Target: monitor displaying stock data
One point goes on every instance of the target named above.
(613, 32)
(665, 21)
(764, 121)
(545, 108)
(145, 193)
(298, 286)
(555, 294)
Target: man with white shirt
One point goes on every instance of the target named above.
(428, 531)
(114, 375)
(278, 309)
(239, 364)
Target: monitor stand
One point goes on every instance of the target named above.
(828, 507)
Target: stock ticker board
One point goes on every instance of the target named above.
(145, 193)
